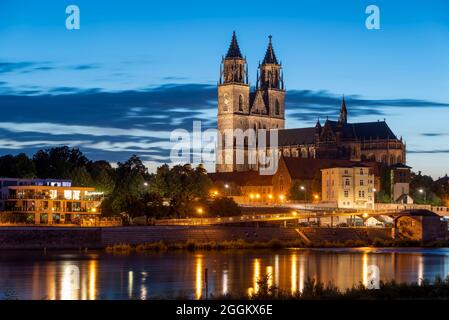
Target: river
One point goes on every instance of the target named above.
(100, 275)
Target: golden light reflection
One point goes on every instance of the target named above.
(420, 270)
(143, 288)
(51, 282)
(294, 273)
(92, 279)
(302, 267)
(130, 284)
(270, 276)
(256, 276)
(199, 276)
(365, 269)
(225, 282)
(276, 270)
(70, 282)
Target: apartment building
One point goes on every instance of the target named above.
(349, 187)
(47, 201)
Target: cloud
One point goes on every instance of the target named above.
(114, 125)
(6, 66)
(307, 105)
(87, 66)
(429, 151)
(431, 134)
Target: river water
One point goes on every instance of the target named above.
(100, 275)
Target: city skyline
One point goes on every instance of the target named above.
(132, 74)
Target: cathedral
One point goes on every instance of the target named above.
(264, 108)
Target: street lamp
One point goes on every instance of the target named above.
(200, 212)
(425, 194)
(305, 193)
(145, 184)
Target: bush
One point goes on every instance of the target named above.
(224, 207)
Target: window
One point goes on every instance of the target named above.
(277, 108)
(241, 103)
(361, 182)
(361, 194)
(346, 193)
(361, 172)
(347, 182)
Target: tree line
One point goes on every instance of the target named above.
(179, 191)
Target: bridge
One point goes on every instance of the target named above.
(280, 216)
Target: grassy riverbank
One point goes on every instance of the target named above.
(273, 244)
(313, 290)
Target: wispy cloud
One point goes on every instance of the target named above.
(113, 125)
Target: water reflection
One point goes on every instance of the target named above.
(294, 273)
(79, 275)
(199, 276)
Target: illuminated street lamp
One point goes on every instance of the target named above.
(422, 191)
(305, 193)
(226, 186)
(145, 184)
(200, 212)
(281, 197)
(365, 215)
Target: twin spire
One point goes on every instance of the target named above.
(234, 68)
(234, 51)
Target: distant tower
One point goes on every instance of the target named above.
(271, 85)
(343, 112)
(233, 103)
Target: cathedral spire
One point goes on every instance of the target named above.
(270, 57)
(271, 70)
(234, 50)
(234, 68)
(343, 112)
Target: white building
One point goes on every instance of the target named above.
(349, 187)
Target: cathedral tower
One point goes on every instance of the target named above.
(238, 108)
(270, 86)
(233, 104)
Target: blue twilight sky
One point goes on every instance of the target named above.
(138, 69)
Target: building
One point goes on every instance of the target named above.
(292, 172)
(47, 201)
(350, 186)
(400, 183)
(241, 109)
(420, 225)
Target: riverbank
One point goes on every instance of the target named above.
(154, 238)
(314, 290)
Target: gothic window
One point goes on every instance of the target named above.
(241, 103)
(392, 159)
(277, 108)
(399, 159)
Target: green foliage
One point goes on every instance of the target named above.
(81, 178)
(223, 207)
(19, 166)
(295, 192)
(433, 192)
(384, 194)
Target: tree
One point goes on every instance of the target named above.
(24, 166)
(223, 207)
(58, 163)
(81, 178)
(19, 166)
(102, 175)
